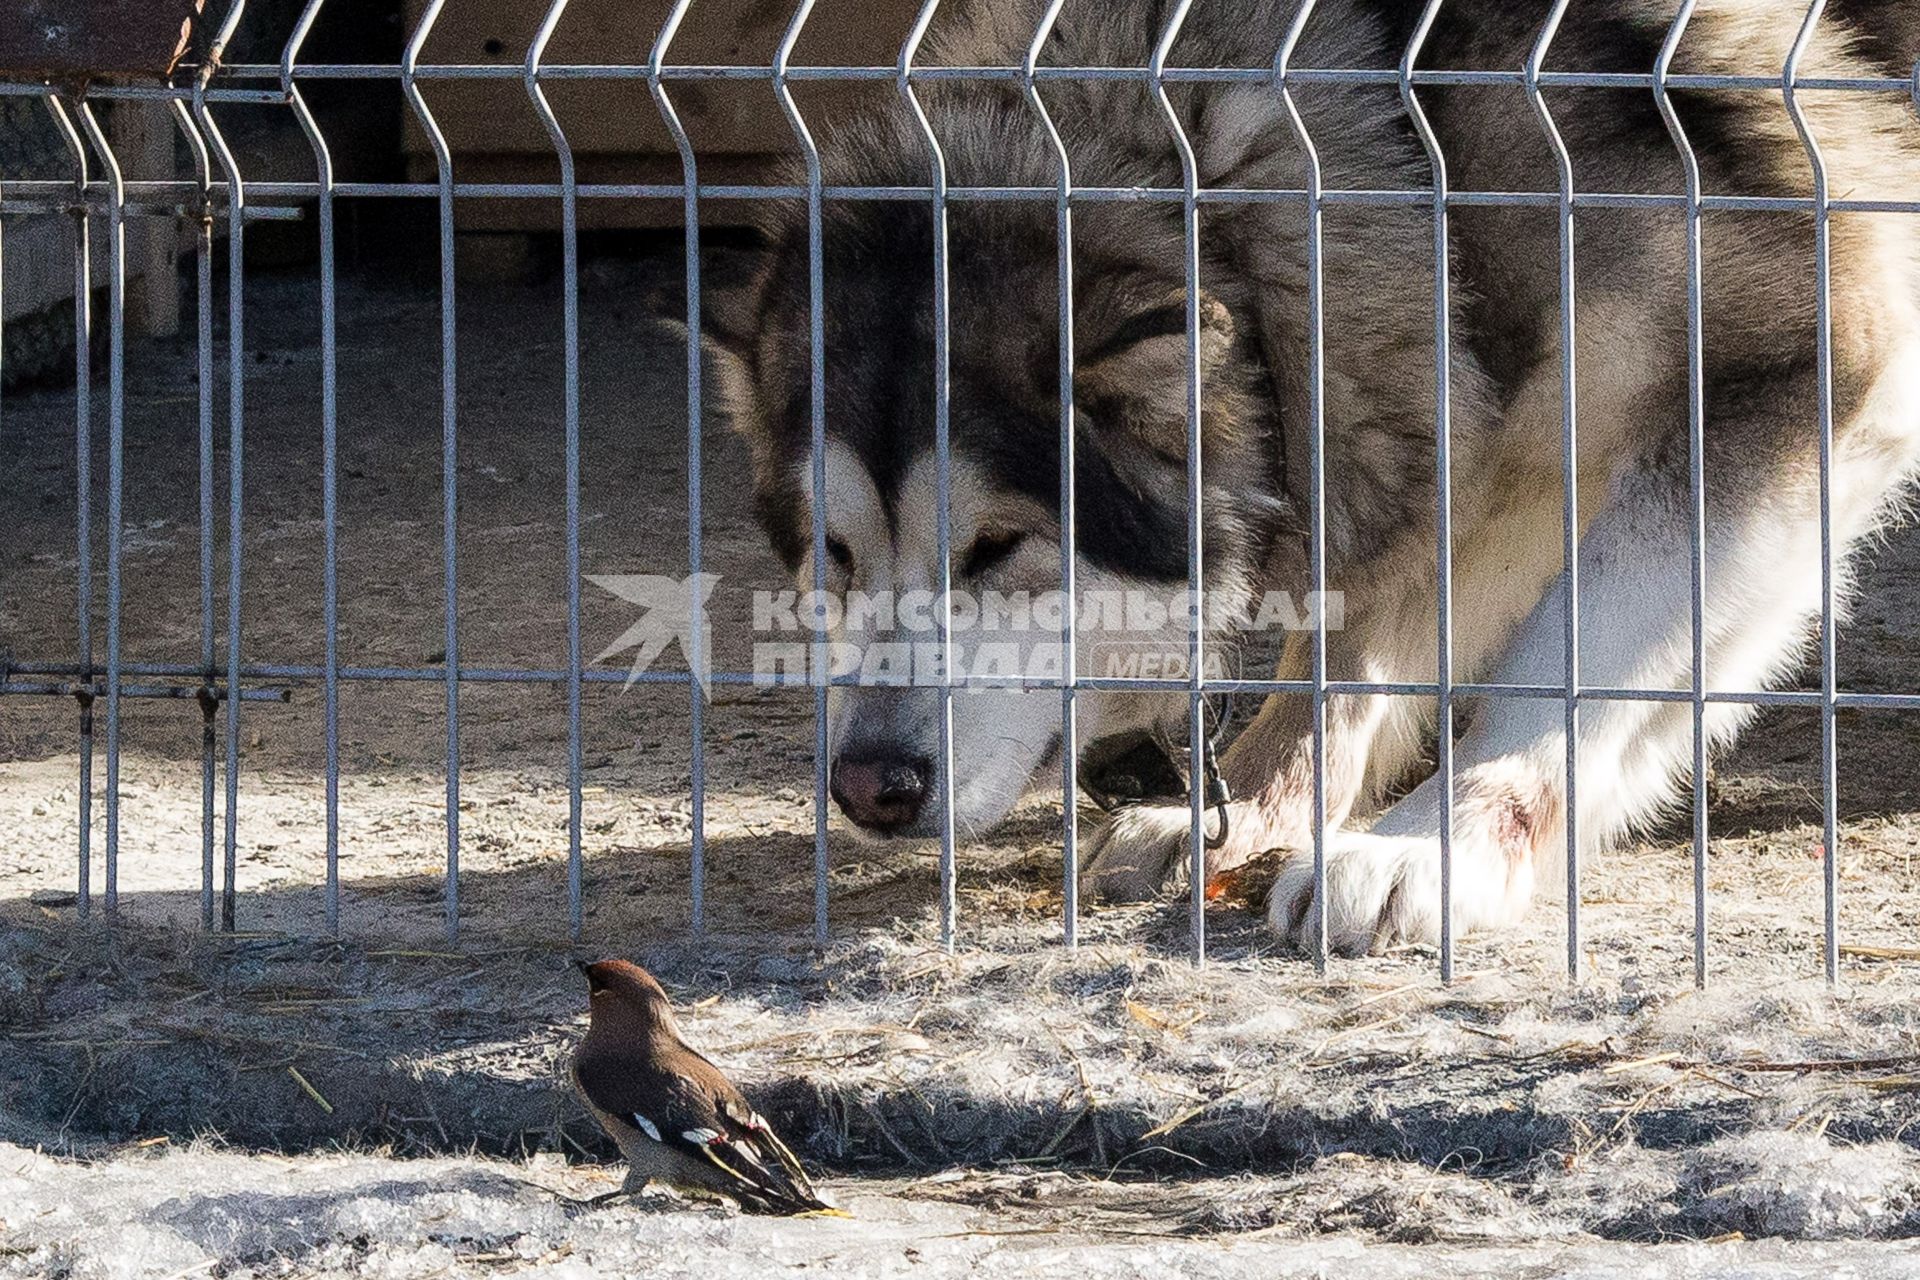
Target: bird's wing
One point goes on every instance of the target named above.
(688, 1106)
(748, 1130)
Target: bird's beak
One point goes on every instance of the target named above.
(583, 966)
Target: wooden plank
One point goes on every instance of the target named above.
(738, 129)
(69, 39)
(619, 117)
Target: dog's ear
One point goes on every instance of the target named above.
(732, 285)
(726, 373)
(729, 306)
(1133, 376)
(729, 364)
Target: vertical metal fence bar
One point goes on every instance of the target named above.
(1316, 471)
(943, 458)
(1442, 474)
(116, 471)
(236, 439)
(329, 453)
(1196, 582)
(449, 446)
(696, 626)
(1570, 478)
(3, 310)
(817, 430)
(1823, 320)
(1696, 476)
(83, 481)
(236, 436)
(1069, 720)
(203, 296)
(570, 321)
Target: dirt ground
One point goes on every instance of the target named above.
(1371, 1106)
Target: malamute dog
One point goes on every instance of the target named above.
(1761, 389)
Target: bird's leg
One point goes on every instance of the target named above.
(635, 1185)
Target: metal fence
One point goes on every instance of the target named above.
(224, 676)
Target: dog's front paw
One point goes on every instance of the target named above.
(1381, 890)
(1141, 853)
(1144, 851)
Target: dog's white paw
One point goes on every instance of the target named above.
(1144, 850)
(1139, 854)
(1381, 890)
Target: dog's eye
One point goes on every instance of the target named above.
(988, 551)
(1162, 322)
(840, 553)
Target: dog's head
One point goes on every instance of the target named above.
(883, 480)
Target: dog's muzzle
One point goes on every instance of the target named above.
(883, 794)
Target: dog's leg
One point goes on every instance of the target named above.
(1373, 742)
(1383, 886)
(1762, 575)
(1268, 767)
(1142, 851)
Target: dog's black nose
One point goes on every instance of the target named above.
(881, 793)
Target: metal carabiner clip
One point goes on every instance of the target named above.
(1218, 794)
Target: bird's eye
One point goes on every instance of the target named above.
(841, 554)
(989, 551)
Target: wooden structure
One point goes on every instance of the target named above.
(737, 127)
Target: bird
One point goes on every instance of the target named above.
(676, 1118)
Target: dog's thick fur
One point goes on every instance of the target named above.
(1760, 385)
